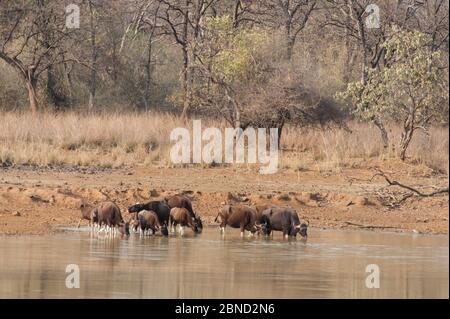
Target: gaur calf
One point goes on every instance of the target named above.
(238, 216)
(148, 220)
(108, 214)
(181, 201)
(161, 209)
(284, 219)
(182, 217)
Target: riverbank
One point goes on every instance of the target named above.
(40, 200)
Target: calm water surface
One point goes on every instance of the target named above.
(331, 264)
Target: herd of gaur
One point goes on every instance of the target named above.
(160, 215)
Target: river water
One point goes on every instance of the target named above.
(331, 264)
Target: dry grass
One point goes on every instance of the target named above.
(114, 140)
(337, 148)
(96, 140)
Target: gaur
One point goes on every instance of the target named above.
(183, 217)
(238, 216)
(88, 214)
(108, 214)
(148, 220)
(161, 209)
(283, 219)
(181, 201)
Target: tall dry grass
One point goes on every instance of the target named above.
(337, 148)
(109, 140)
(115, 140)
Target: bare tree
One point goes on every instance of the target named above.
(93, 55)
(25, 44)
(146, 21)
(291, 15)
(184, 20)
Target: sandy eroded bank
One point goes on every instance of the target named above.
(37, 201)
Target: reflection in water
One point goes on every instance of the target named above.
(331, 264)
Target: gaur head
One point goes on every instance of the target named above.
(84, 204)
(124, 228)
(265, 229)
(94, 215)
(198, 224)
(136, 208)
(302, 229)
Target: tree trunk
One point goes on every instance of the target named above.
(364, 54)
(148, 74)
(362, 38)
(383, 132)
(68, 79)
(407, 135)
(290, 42)
(31, 87)
(55, 98)
(92, 89)
(351, 53)
(93, 62)
(186, 98)
(280, 130)
(186, 95)
(404, 144)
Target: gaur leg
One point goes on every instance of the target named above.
(170, 224)
(222, 226)
(251, 230)
(285, 233)
(110, 228)
(101, 227)
(242, 229)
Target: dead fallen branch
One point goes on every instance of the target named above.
(395, 183)
(413, 190)
(369, 226)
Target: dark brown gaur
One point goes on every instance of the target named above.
(108, 213)
(238, 216)
(283, 219)
(159, 207)
(183, 217)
